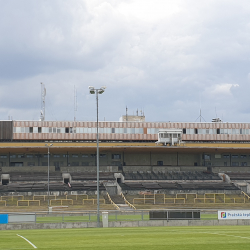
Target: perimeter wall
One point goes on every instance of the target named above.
(155, 223)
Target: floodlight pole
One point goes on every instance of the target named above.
(97, 91)
(48, 145)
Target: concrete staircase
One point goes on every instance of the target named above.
(119, 201)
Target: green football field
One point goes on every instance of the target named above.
(220, 237)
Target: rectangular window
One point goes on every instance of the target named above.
(31, 164)
(159, 163)
(235, 164)
(16, 164)
(30, 129)
(116, 156)
(56, 156)
(92, 155)
(235, 156)
(12, 156)
(3, 156)
(196, 131)
(20, 156)
(243, 164)
(103, 155)
(207, 157)
(75, 156)
(184, 131)
(39, 130)
(85, 163)
(85, 155)
(243, 156)
(30, 156)
(226, 156)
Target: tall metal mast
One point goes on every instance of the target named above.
(43, 94)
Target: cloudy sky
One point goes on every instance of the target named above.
(166, 58)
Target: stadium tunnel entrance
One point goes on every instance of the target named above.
(5, 179)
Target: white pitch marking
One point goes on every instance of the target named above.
(232, 236)
(27, 241)
(226, 235)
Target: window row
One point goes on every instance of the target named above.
(79, 130)
(16, 156)
(218, 131)
(226, 156)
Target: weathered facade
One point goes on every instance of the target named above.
(124, 146)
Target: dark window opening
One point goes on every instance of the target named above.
(119, 180)
(66, 180)
(159, 163)
(5, 181)
(39, 130)
(67, 130)
(85, 163)
(218, 131)
(16, 164)
(31, 129)
(196, 131)
(57, 168)
(184, 131)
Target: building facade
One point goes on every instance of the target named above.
(124, 146)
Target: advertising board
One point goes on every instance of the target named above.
(233, 214)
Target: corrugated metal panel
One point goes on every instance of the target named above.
(6, 130)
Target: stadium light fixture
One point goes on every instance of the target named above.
(92, 90)
(48, 146)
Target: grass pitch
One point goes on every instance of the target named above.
(146, 238)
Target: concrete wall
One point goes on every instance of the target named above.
(154, 223)
(137, 159)
(174, 191)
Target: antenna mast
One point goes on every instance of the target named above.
(43, 94)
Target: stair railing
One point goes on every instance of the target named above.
(112, 202)
(127, 202)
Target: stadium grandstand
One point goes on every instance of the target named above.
(135, 156)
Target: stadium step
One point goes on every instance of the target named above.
(124, 207)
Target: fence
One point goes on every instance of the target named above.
(190, 198)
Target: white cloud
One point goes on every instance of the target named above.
(221, 89)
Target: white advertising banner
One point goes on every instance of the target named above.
(233, 214)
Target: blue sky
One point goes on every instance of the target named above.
(168, 59)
